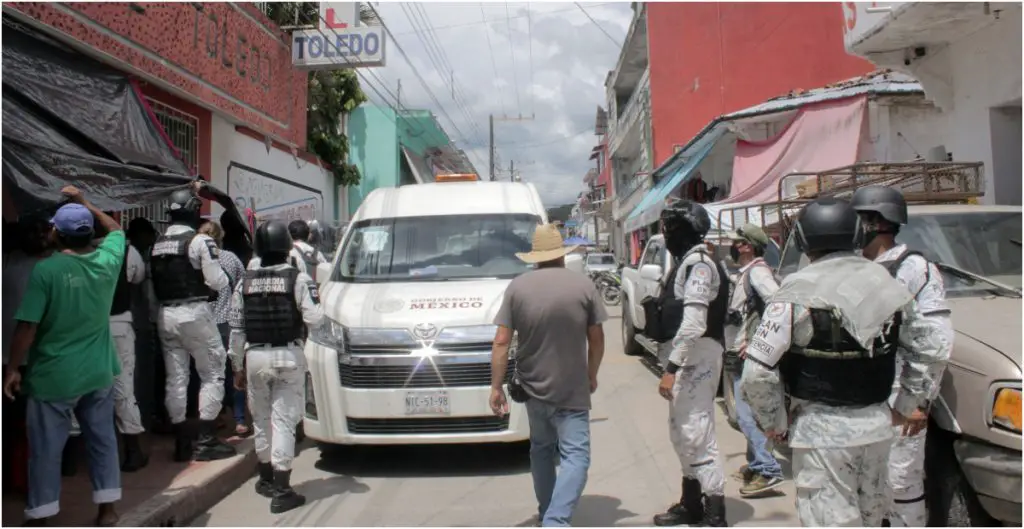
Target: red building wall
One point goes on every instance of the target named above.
(228, 57)
(711, 59)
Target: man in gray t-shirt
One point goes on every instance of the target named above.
(556, 315)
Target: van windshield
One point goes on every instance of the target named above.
(436, 248)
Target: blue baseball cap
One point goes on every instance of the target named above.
(73, 219)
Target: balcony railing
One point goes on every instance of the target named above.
(634, 106)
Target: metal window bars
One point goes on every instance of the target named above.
(182, 129)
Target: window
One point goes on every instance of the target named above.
(601, 259)
(181, 128)
(982, 242)
(654, 254)
(436, 248)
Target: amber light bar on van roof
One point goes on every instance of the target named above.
(457, 177)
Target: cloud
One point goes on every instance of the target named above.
(571, 58)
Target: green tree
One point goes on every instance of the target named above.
(330, 95)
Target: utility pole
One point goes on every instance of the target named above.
(511, 171)
(398, 97)
(503, 118)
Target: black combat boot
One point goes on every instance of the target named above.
(209, 447)
(134, 458)
(182, 442)
(285, 497)
(689, 510)
(265, 484)
(714, 511)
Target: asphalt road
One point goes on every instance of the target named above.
(633, 475)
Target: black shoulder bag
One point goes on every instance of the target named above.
(663, 314)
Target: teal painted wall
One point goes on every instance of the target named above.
(375, 137)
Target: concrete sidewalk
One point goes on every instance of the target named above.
(164, 494)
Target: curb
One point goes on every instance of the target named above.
(194, 492)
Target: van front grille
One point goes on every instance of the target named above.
(427, 425)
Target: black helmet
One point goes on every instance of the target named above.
(685, 225)
(886, 201)
(828, 224)
(183, 205)
(688, 216)
(273, 237)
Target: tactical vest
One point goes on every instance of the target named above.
(122, 294)
(833, 369)
(894, 267)
(308, 258)
(664, 314)
(272, 317)
(174, 277)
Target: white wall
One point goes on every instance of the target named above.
(984, 70)
(901, 128)
(283, 186)
(1006, 153)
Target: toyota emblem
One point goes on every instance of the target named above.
(424, 331)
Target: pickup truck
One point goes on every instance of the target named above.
(973, 449)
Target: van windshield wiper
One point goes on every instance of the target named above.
(971, 275)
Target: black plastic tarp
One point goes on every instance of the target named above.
(69, 119)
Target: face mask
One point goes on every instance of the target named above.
(734, 252)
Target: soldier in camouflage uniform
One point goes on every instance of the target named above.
(829, 339)
(694, 366)
(882, 210)
(270, 311)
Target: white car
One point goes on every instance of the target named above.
(411, 296)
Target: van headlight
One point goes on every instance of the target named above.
(1006, 409)
(329, 334)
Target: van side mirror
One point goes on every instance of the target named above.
(650, 272)
(323, 273)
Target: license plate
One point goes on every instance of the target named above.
(427, 403)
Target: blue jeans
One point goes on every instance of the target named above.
(48, 427)
(558, 432)
(759, 456)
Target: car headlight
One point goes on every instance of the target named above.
(1006, 409)
(467, 334)
(329, 334)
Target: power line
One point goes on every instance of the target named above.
(488, 21)
(419, 77)
(611, 38)
(512, 50)
(494, 63)
(438, 58)
(529, 39)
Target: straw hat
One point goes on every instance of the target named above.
(547, 245)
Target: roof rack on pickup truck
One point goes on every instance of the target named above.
(920, 182)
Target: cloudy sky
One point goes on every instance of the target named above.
(562, 85)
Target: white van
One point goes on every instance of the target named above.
(411, 296)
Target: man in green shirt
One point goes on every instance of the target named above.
(63, 326)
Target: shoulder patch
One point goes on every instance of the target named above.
(314, 292)
(774, 310)
(211, 246)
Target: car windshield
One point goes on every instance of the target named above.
(984, 243)
(436, 248)
(601, 259)
(980, 242)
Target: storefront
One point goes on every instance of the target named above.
(742, 157)
(219, 78)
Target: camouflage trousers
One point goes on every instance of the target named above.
(842, 487)
(276, 379)
(906, 474)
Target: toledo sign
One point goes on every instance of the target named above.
(339, 41)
